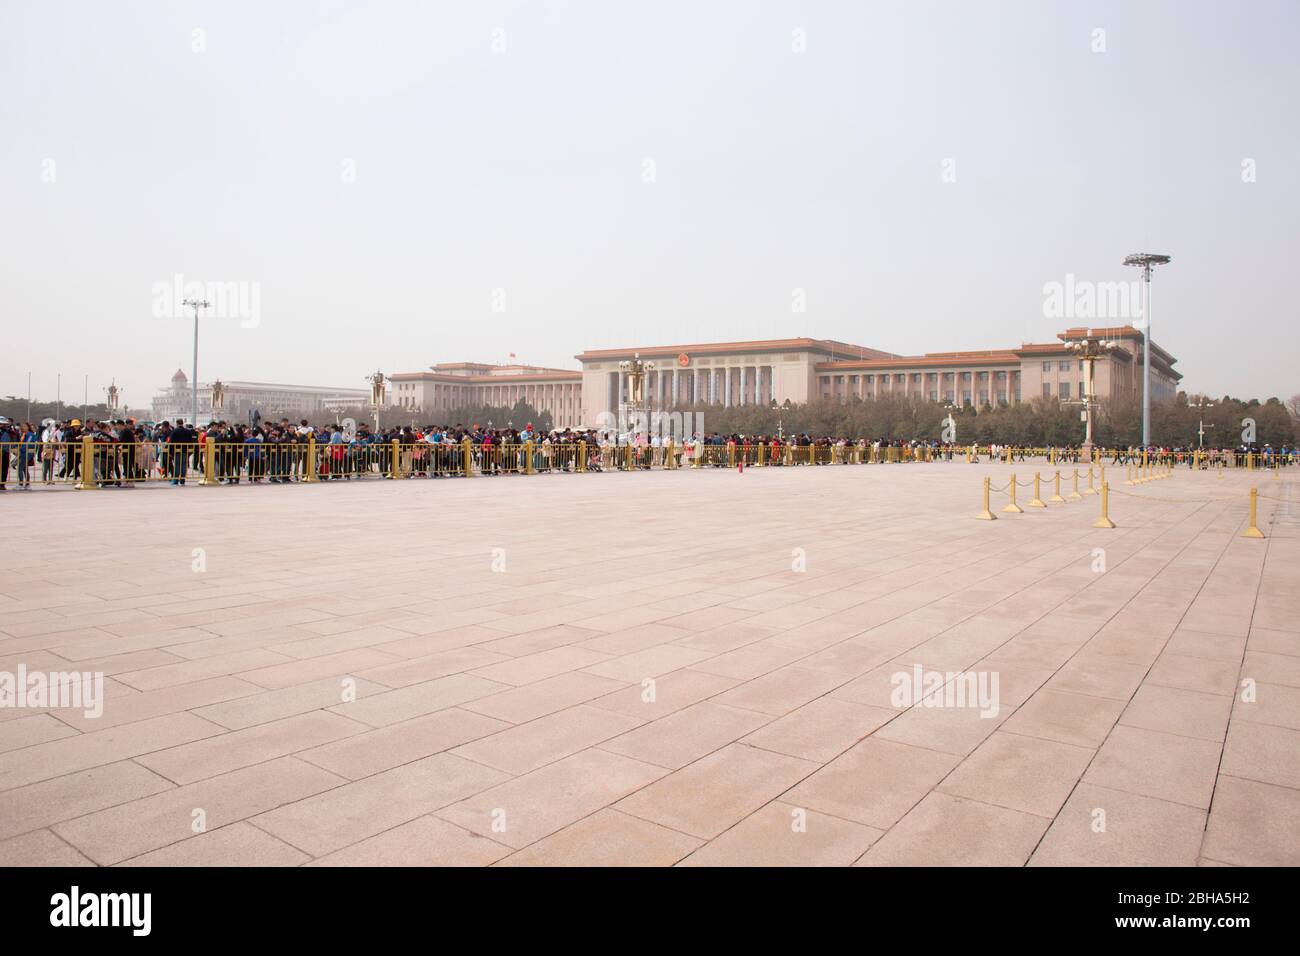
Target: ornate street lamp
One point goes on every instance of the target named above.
(218, 399)
(636, 372)
(378, 387)
(1089, 349)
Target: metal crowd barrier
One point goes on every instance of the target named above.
(87, 463)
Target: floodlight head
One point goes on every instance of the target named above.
(1146, 260)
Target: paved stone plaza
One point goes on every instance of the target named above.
(652, 669)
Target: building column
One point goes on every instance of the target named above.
(677, 394)
(726, 395)
(741, 397)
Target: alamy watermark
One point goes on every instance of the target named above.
(67, 690)
(921, 688)
(237, 301)
(666, 426)
(1085, 299)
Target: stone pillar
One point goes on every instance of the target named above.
(677, 394)
(742, 386)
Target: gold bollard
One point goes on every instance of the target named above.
(1104, 521)
(467, 454)
(209, 463)
(1090, 490)
(1037, 502)
(1252, 531)
(1056, 496)
(1012, 507)
(986, 515)
(1074, 495)
(87, 453)
(311, 458)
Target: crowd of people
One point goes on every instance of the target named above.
(125, 452)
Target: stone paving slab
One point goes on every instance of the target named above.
(704, 668)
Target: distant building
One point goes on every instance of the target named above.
(797, 370)
(270, 401)
(453, 385)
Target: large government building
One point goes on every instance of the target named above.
(721, 373)
(797, 370)
(451, 385)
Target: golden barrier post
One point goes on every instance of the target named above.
(1051, 456)
(209, 463)
(528, 457)
(1056, 495)
(1090, 490)
(582, 456)
(986, 515)
(394, 467)
(670, 463)
(467, 450)
(1037, 502)
(1074, 495)
(1012, 507)
(87, 482)
(311, 458)
(1252, 531)
(1104, 521)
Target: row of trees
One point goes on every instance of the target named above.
(1039, 422)
(499, 416)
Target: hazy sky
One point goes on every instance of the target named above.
(374, 172)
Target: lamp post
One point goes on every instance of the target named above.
(377, 391)
(1146, 261)
(636, 372)
(218, 399)
(1201, 405)
(196, 304)
(112, 394)
(1089, 350)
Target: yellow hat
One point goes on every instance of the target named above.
(76, 421)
